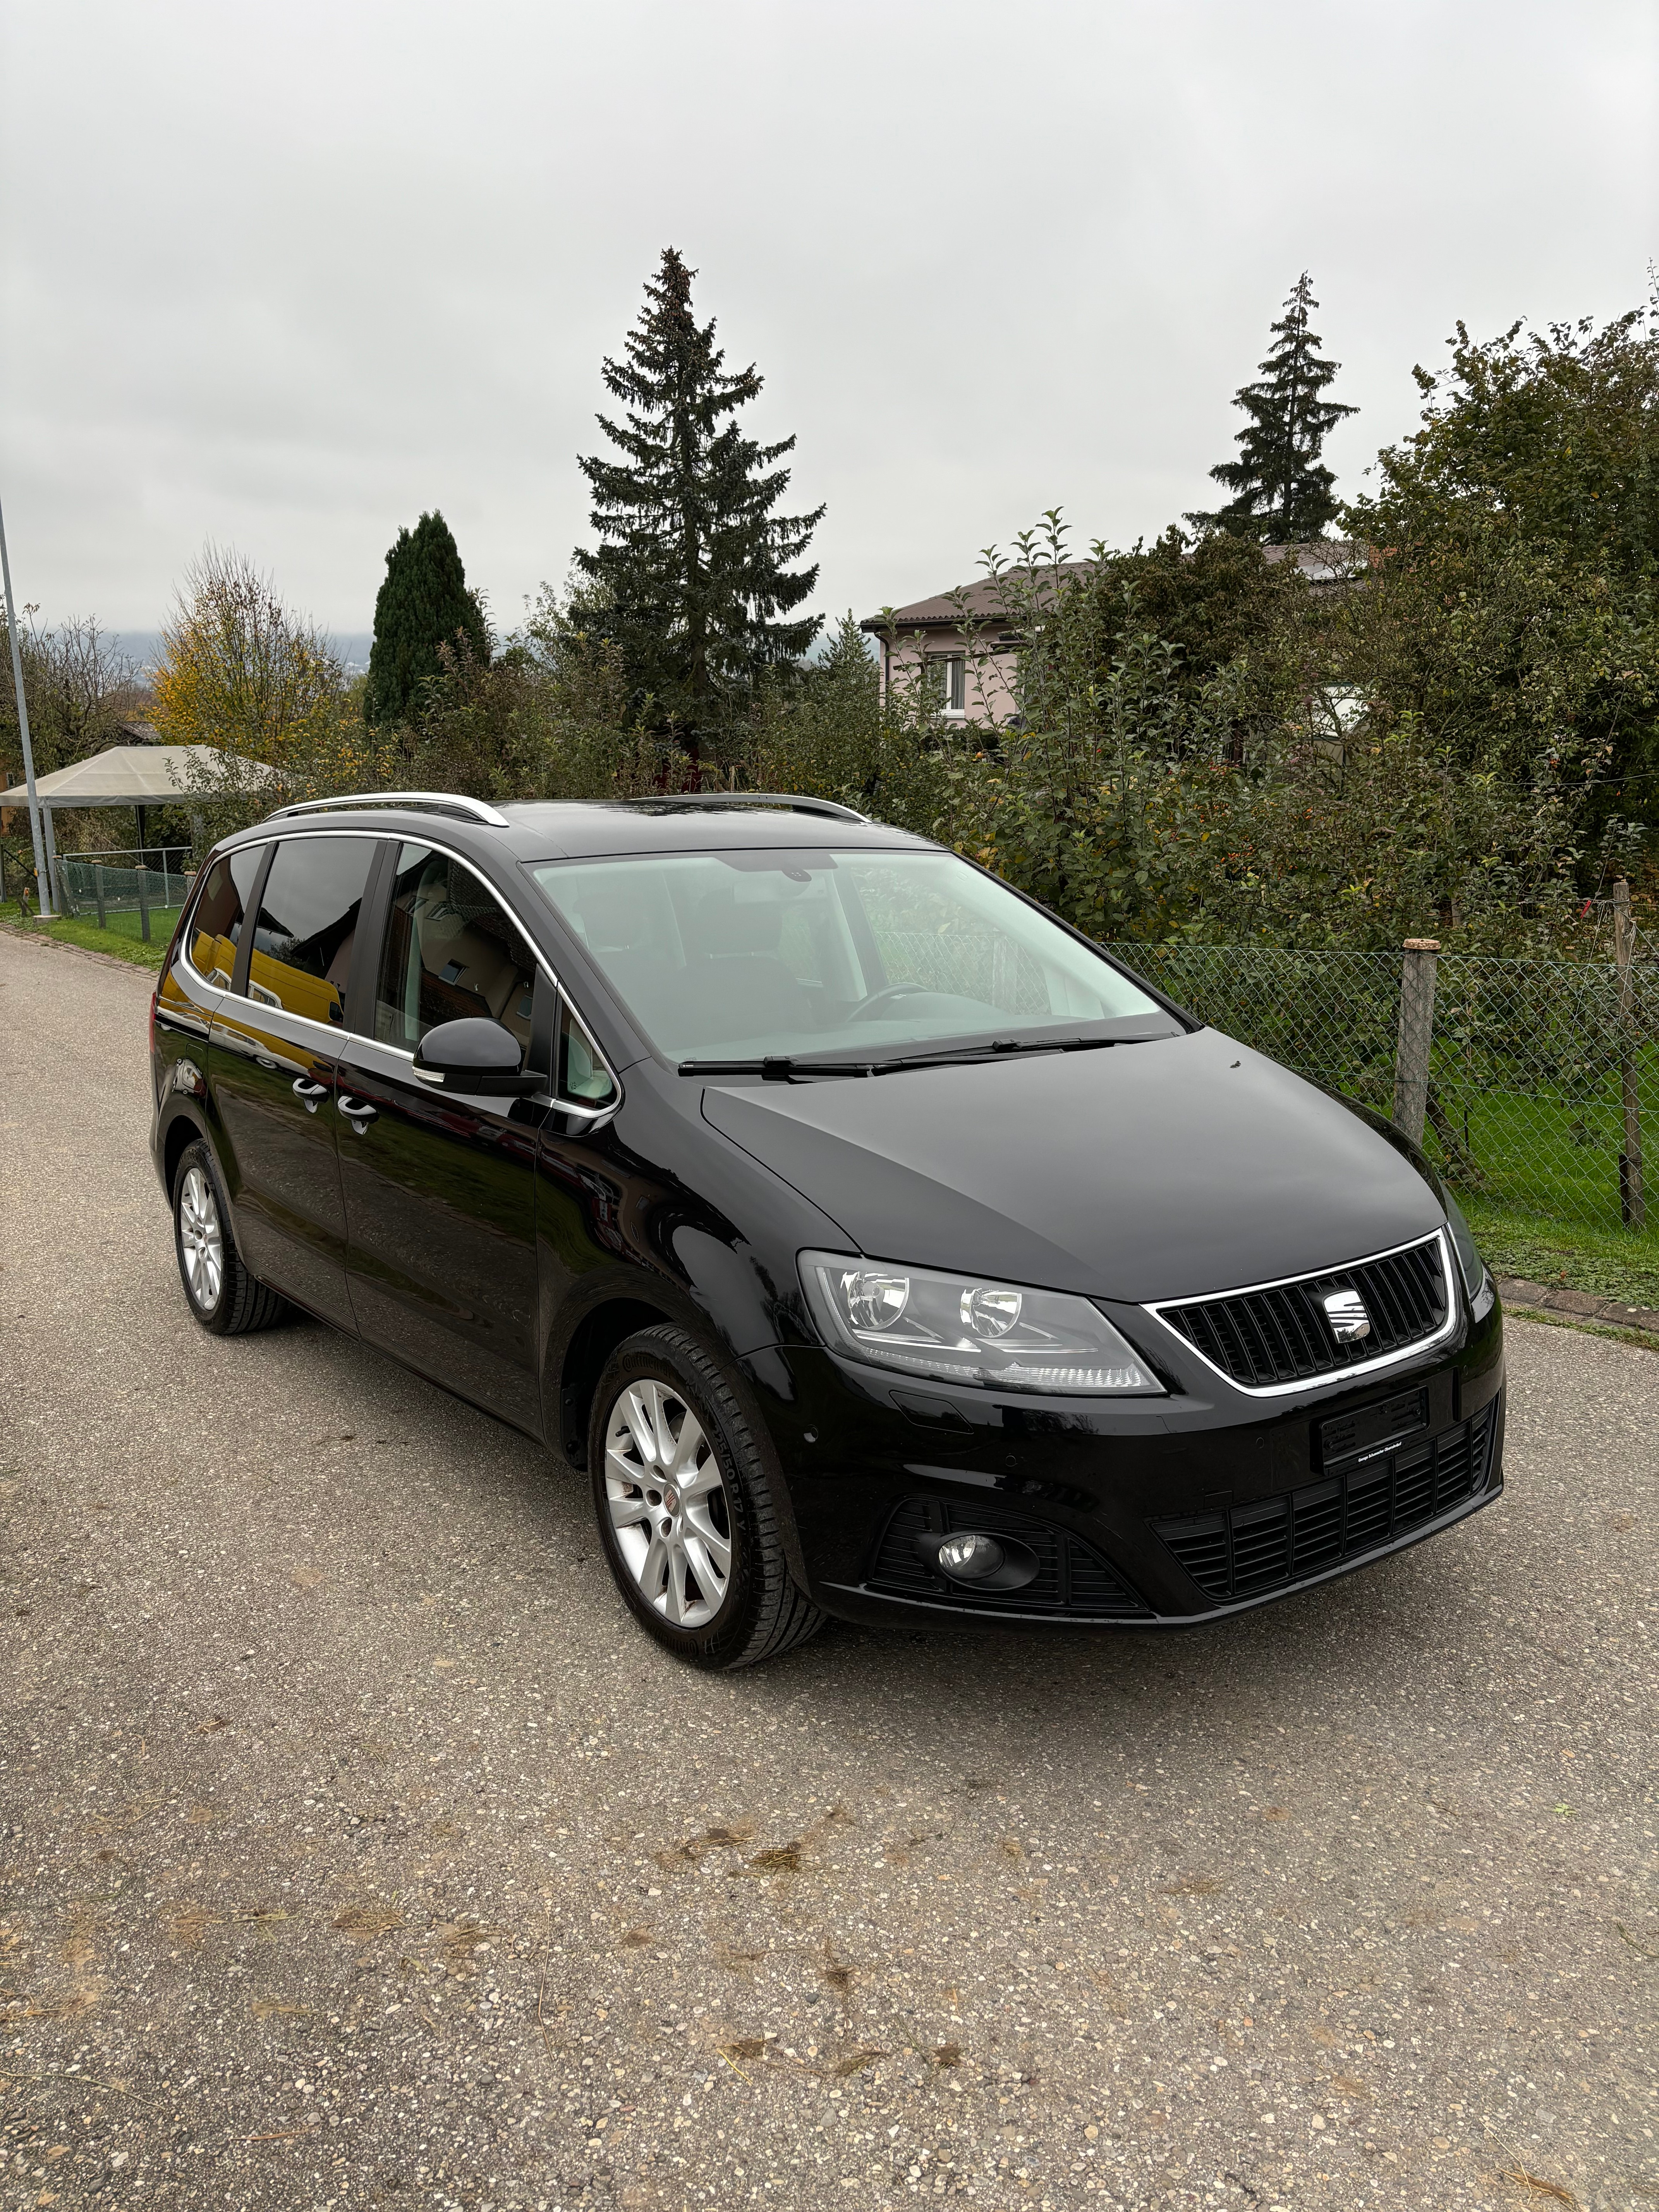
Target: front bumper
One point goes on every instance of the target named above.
(1142, 1512)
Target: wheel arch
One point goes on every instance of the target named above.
(585, 1349)
(181, 1132)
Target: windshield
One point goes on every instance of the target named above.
(751, 955)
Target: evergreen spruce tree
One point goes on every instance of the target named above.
(424, 603)
(1281, 495)
(692, 576)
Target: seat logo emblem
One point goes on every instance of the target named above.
(1346, 1312)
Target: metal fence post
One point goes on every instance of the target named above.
(1411, 1065)
(1632, 1200)
(143, 900)
(98, 891)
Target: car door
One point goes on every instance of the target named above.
(439, 1188)
(273, 1066)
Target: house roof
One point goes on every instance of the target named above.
(983, 600)
(1321, 561)
(125, 776)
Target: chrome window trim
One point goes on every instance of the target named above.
(1337, 1378)
(222, 991)
(563, 996)
(437, 844)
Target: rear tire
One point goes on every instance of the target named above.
(687, 1507)
(219, 1291)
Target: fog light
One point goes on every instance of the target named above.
(970, 1559)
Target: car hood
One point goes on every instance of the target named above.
(1150, 1170)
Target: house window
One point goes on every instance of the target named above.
(953, 667)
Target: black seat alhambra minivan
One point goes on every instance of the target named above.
(877, 1245)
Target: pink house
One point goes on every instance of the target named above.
(976, 665)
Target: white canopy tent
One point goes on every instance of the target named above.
(139, 776)
(128, 775)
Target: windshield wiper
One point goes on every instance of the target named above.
(780, 1067)
(963, 1055)
(777, 1067)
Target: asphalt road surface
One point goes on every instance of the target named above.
(356, 1850)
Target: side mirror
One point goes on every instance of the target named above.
(477, 1057)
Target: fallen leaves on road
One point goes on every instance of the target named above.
(1518, 2174)
(855, 2061)
(364, 1923)
(723, 1837)
(459, 1939)
(784, 1859)
(189, 1925)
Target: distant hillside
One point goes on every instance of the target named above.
(144, 645)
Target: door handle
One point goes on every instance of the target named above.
(309, 1093)
(358, 1112)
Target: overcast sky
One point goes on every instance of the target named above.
(285, 276)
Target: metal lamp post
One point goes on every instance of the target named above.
(42, 881)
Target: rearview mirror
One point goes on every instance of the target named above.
(475, 1056)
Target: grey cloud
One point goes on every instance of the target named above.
(286, 278)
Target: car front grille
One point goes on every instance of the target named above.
(1245, 1550)
(1281, 1335)
(1072, 1577)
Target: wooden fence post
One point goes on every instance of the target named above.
(1632, 1200)
(1411, 1064)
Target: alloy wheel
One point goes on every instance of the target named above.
(201, 1240)
(668, 1504)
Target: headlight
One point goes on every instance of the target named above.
(960, 1328)
(1468, 1257)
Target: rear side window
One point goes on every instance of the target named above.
(308, 924)
(452, 951)
(215, 927)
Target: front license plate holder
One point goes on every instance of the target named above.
(1373, 1430)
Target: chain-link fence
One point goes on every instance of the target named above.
(1533, 1083)
(125, 890)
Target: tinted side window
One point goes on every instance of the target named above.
(452, 951)
(307, 922)
(215, 927)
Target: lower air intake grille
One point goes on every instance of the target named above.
(1072, 1577)
(1246, 1549)
(1284, 1334)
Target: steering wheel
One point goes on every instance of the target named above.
(879, 998)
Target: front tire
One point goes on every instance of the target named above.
(686, 1507)
(218, 1289)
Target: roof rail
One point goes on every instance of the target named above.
(691, 802)
(437, 802)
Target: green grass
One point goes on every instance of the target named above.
(1604, 1263)
(1544, 1202)
(120, 939)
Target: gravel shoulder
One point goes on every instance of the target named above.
(355, 1849)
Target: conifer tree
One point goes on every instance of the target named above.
(424, 603)
(1281, 494)
(693, 576)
